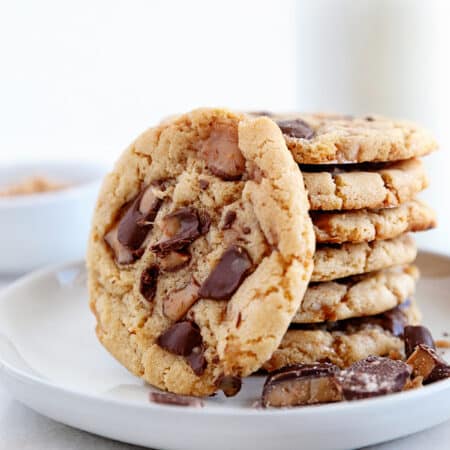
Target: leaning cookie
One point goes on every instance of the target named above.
(331, 138)
(345, 342)
(201, 251)
(338, 261)
(357, 296)
(369, 225)
(363, 185)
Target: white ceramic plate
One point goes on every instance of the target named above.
(51, 361)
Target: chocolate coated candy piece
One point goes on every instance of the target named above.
(149, 280)
(136, 223)
(122, 254)
(296, 128)
(415, 335)
(230, 385)
(197, 361)
(181, 338)
(178, 302)
(426, 363)
(372, 377)
(221, 153)
(180, 228)
(228, 274)
(302, 384)
(167, 398)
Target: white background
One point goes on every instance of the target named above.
(80, 79)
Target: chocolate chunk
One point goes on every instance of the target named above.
(229, 219)
(166, 398)
(372, 377)
(137, 221)
(393, 320)
(221, 153)
(149, 280)
(426, 363)
(181, 338)
(296, 128)
(370, 119)
(302, 384)
(174, 261)
(180, 228)
(204, 184)
(178, 302)
(228, 274)
(246, 230)
(415, 335)
(122, 254)
(230, 385)
(197, 361)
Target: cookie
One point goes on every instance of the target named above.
(200, 252)
(357, 296)
(364, 186)
(344, 260)
(331, 138)
(368, 225)
(345, 342)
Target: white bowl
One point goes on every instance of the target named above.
(49, 227)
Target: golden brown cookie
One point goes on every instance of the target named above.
(345, 342)
(357, 296)
(368, 225)
(201, 251)
(364, 185)
(331, 138)
(344, 260)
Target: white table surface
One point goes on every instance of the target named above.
(23, 429)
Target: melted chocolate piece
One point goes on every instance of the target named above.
(136, 223)
(415, 335)
(180, 228)
(426, 363)
(149, 281)
(197, 361)
(228, 274)
(167, 398)
(229, 219)
(230, 385)
(222, 154)
(372, 377)
(302, 384)
(296, 128)
(181, 338)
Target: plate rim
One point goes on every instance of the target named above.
(26, 377)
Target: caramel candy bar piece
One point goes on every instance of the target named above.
(426, 363)
(372, 377)
(302, 384)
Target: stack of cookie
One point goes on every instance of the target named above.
(362, 176)
(201, 259)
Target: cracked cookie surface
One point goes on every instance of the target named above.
(369, 225)
(361, 186)
(331, 138)
(357, 296)
(345, 342)
(344, 260)
(201, 250)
